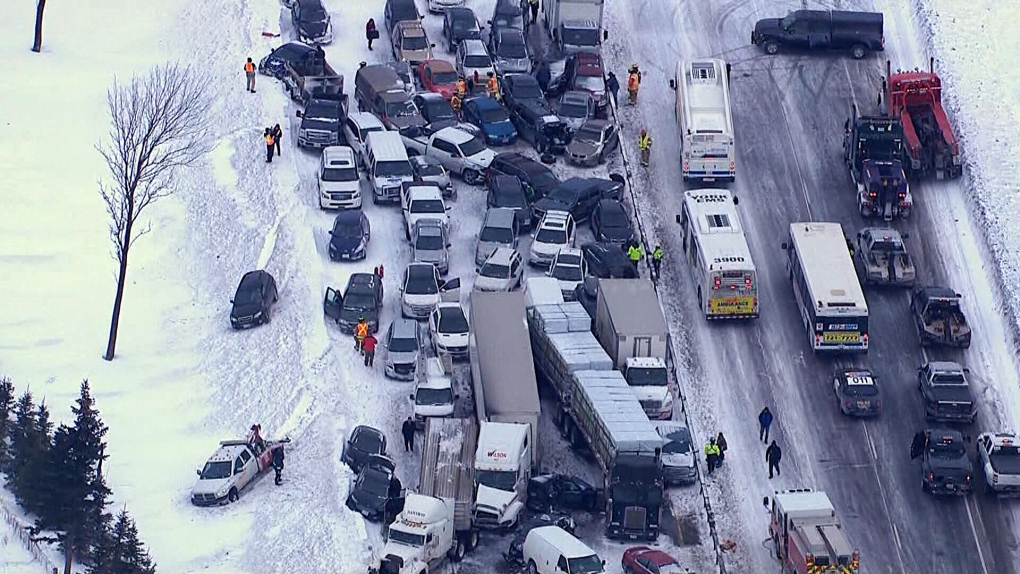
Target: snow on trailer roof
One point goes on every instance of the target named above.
(561, 318)
(618, 410)
(504, 351)
(636, 305)
(828, 269)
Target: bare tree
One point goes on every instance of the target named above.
(39, 7)
(160, 124)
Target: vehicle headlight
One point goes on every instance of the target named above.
(223, 491)
(303, 133)
(361, 247)
(257, 315)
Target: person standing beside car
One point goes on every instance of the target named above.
(277, 132)
(371, 32)
(368, 346)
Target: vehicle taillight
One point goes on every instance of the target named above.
(968, 477)
(864, 339)
(903, 194)
(718, 282)
(931, 476)
(687, 166)
(747, 283)
(872, 194)
(733, 167)
(846, 403)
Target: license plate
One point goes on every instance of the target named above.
(863, 404)
(731, 306)
(841, 337)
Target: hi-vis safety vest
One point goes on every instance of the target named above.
(633, 82)
(249, 67)
(644, 142)
(362, 330)
(269, 140)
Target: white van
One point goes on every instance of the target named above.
(356, 130)
(339, 180)
(388, 167)
(552, 550)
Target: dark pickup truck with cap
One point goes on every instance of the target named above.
(856, 32)
(945, 467)
(946, 393)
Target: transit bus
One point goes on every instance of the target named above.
(828, 292)
(703, 117)
(717, 255)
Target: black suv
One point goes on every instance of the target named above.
(538, 125)
(858, 32)
(508, 191)
(520, 88)
(577, 195)
(363, 297)
(254, 300)
(538, 180)
(460, 24)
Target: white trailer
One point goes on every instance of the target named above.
(703, 115)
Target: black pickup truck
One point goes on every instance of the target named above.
(858, 32)
(946, 393)
(322, 121)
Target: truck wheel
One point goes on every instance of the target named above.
(232, 495)
(532, 569)
(471, 177)
(473, 540)
(771, 48)
(458, 551)
(858, 51)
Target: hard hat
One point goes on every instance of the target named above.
(361, 318)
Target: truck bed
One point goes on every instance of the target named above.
(1006, 464)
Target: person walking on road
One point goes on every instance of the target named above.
(407, 429)
(277, 132)
(371, 32)
(613, 84)
(712, 455)
(764, 422)
(368, 347)
(270, 144)
(278, 464)
(720, 441)
(644, 143)
(633, 83)
(657, 259)
(773, 454)
(634, 254)
(249, 73)
(533, 4)
(360, 332)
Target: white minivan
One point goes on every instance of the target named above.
(388, 167)
(339, 180)
(356, 130)
(552, 550)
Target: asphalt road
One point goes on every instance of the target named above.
(789, 111)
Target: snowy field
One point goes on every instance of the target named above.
(183, 380)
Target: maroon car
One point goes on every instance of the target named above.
(584, 72)
(645, 560)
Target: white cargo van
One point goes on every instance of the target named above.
(388, 167)
(552, 550)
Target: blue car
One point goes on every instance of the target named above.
(491, 118)
(349, 236)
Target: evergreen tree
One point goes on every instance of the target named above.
(6, 410)
(29, 453)
(77, 494)
(119, 551)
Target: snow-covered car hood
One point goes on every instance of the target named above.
(549, 249)
(405, 553)
(573, 124)
(513, 65)
(316, 30)
(568, 286)
(211, 486)
(434, 256)
(494, 498)
(433, 410)
(678, 460)
(650, 393)
(402, 358)
(484, 249)
(582, 148)
(452, 339)
(416, 299)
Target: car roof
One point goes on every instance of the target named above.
(421, 270)
(483, 103)
(450, 305)
(433, 226)
(595, 123)
(519, 78)
(365, 120)
(227, 452)
(296, 46)
(570, 252)
(658, 557)
(502, 255)
(404, 328)
(460, 12)
(474, 46)
(362, 279)
(349, 216)
(340, 155)
(439, 66)
(588, 59)
(510, 34)
(932, 291)
(555, 219)
(579, 96)
(499, 216)
(410, 26)
(611, 204)
(252, 277)
(847, 373)
(455, 135)
(945, 367)
(502, 183)
(421, 191)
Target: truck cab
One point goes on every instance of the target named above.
(232, 468)
(322, 120)
(945, 467)
(649, 379)
(579, 36)
(999, 454)
(502, 472)
(420, 538)
(873, 150)
(947, 395)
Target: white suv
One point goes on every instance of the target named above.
(502, 271)
(554, 232)
(356, 130)
(421, 290)
(448, 326)
(568, 269)
(422, 200)
(339, 180)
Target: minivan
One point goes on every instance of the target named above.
(339, 181)
(388, 167)
(552, 550)
(356, 130)
(499, 229)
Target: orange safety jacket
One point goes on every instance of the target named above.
(362, 330)
(249, 67)
(633, 82)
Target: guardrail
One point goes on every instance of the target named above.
(32, 546)
(670, 360)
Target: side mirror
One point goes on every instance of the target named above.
(784, 246)
(449, 245)
(456, 397)
(411, 396)
(489, 22)
(198, 472)
(231, 301)
(448, 208)
(678, 219)
(330, 232)
(736, 201)
(432, 45)
(299, 113)
(765, 502)
(603, 562)
(966, 370)
(672, 84)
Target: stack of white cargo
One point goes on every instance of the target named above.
(563, 344)
(611, 417)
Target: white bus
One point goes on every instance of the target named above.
(717, 255)
(825, 283)
(703, 116)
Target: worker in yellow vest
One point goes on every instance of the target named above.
(360, 332)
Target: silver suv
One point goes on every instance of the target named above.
(499, 229)
(430, 244)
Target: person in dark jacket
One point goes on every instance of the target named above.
(393, 502)
(277, 132)
(773, 454)
(720, 441)
(407, 429)
(371, 32)
(917, 446)
(764, 422)
(613, 84)
(278, 464)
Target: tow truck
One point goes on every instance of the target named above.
(873, 150)
(234, 466)
(939, 318)
(883, 257)
(807, 536)
(999, 454)
(915, 97)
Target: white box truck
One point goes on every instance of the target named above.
(575, 25)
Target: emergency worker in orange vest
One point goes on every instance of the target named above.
(492, 87)
(633, 83)
(249, 72)
(270, 145)
(360, 332)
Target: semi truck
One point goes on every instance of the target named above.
(807, 535)
(631, 328)
(597, 408)
(506, 402)
(436, 522)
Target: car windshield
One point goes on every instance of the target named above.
(375, 481)
(415, 43)
(404, 109)
(471, 147)
(464, 24)
(498, 479)
(513, 198)
(347, 230)
(247, 295)
(564, 195)
(542, 179)
(512, 49)
(580, 37)
(567, 272)
(494, 115)
(477, 61)
(393, 169)
(449, 77)
(677, 442)
(954, 379)
(589, 134)
(316, 14)
(406, 538)
(422, 284)
(452, 321)
(555, 236)
(362, 301)
(494, 270)
(614, 218)
(950, 450)
(647, 377)
(432, 242)
(216, 470)
(402, 345)
(428, 206)
(368, 442)
(585, 564)
(591, 83)
(887, 246)
(573, 109)
(440, 110)
(497, 235)
(432, 397)
(787, 22)
(339, 174)
(322, 113)
(527, 91)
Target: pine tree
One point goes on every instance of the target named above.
(29, 453)
(77, 494)
(6, 408)
(119, 551)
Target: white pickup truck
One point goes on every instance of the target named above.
(1000, 459)
(233, 467)
(457, 149)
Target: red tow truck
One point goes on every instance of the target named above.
(807, 535)
(916, 99)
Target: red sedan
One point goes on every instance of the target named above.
(645, 560)
(438, 76)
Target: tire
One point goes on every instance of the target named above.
(471, 177)
(472, 541)
(532, 568)
(459, 550)
(771, 48)
(232, 496)
(858, 51)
